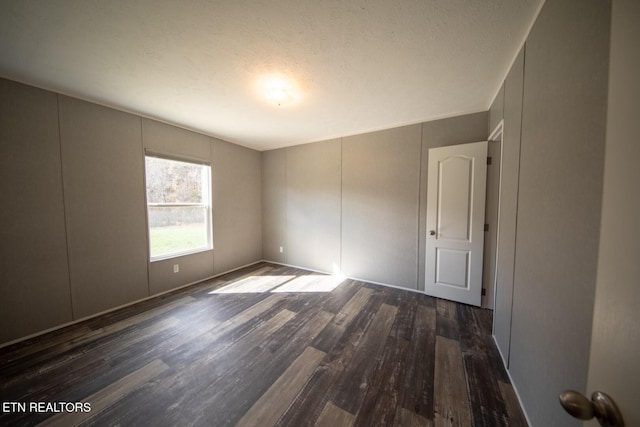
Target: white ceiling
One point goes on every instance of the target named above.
(361, 65)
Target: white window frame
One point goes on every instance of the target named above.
(206, 203)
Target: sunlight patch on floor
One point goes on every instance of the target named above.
(308, 283)
(311, 283)
(253, 284)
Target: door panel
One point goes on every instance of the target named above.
(451, 267)
(455, 220)
(454, 198)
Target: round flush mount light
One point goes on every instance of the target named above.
(279, 90)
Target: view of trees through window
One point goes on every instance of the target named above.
(178, 204)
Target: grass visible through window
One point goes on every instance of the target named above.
(177, 238)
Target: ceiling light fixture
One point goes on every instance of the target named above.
(279, 90)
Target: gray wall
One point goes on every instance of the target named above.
(380, 205)
(615, 343)
(74, 237)
(496, 111)
(34, 274)
(274, 205)
(558, 205)
(313, 205)
(357, 203)
(102, 169)
(237, 210)
(510, 171)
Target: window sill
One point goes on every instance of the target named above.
(179, 254)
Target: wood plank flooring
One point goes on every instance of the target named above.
(237, 350)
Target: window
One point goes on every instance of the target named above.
(178, 206)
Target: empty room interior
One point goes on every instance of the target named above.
(298, 213)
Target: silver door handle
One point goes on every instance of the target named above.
(601, 406)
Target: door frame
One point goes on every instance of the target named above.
(497, 134)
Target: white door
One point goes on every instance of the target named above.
(455, 222)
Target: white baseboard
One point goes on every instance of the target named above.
(513, 385)
(82, 319)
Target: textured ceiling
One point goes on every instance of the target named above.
(359, 65)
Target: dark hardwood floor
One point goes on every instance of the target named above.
(232, 351)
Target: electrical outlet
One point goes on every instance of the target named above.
(281, 249)
(176, 268)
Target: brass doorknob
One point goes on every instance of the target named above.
(432, 232)
(601, 406)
